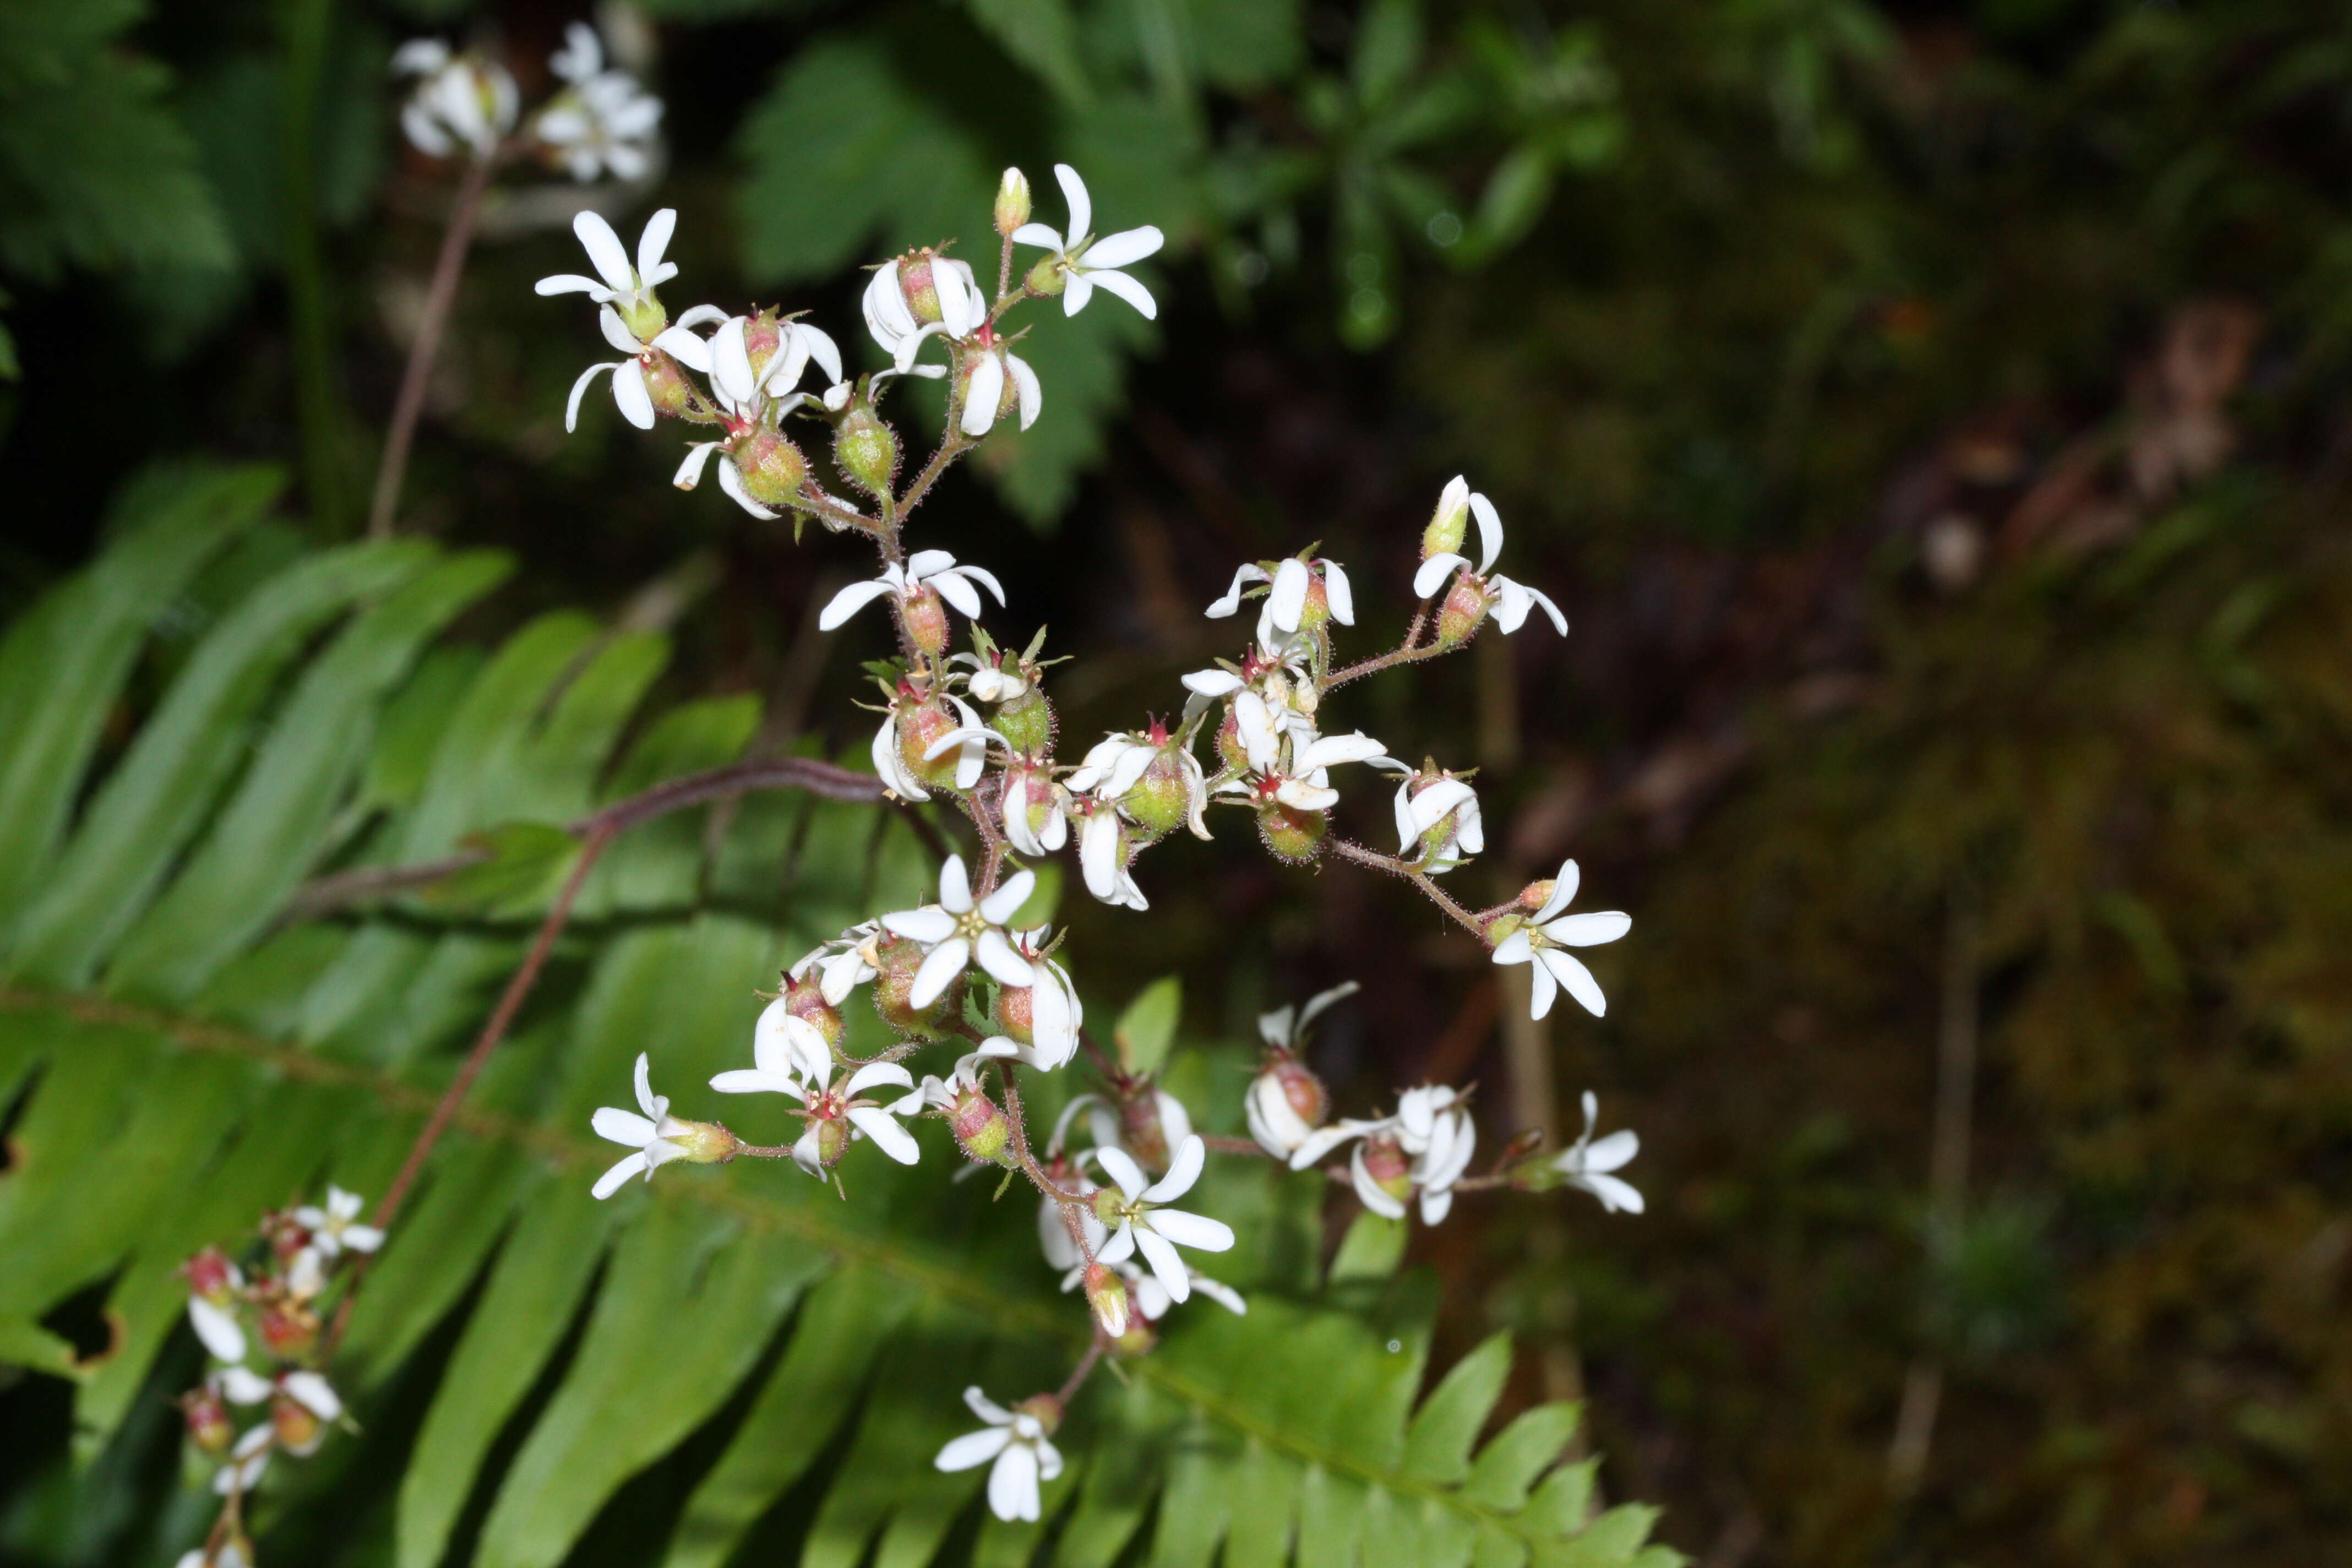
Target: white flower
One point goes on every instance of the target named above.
(891, 320)
(845, 1102)
(1103, 855)
(1084, 261)
(1284, 1027)
(741, 385)
(214, 1322)
(332, 1229)
(984, 397)
(630, 393)
(604, 119)
(460, 100)
(1113, 765)
(314, 1394)
(1511, 600)
(842, 964)
(1436, 1129)
(926, 572)
(1272, 1102)
(1588, 1164)
(990, 681)
(246, 1461)
(629, 289)
(1035, 809)
(968, 740)
(957, 933)
(1292, 580)
(1289, 763)
(1157, 1232)
(1422, 804)
(1023, 1453)
(785, 1049)
(1546, 936)
(1055, 1013)
(651, 1134)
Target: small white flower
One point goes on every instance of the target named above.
(1023, 1453)
(1437, 821)
(983, 398)
(1436, 1129)
(926, 572)
(1544, 940)
(1292, 581)
(1287, 763)
(1036, 810)
(847, 1102)
(603, 120)
(1284, 1027)
(1055, 1013)
(630, 393)
(956, 933)
(1511, 600)
(332, 1229)
(969, 739)
(650, 1134)
(785, 1049)
(629, 289)
(1154, 1231)
(1274, 1117)
(1103, 855)
(842, 964)
(314, 1394)
(460, 100)
(1084, 261)
(990, 681)
(246, 1461)
(1588, 1164)
(891, 320)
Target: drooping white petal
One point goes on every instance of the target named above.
(637, 403)
(1121, 1245)
(218, 1328)
(1339, 595)
(314, 1393)
(731, 362)
(611, 1181)
(1029, 391)
(940, 966)
(242, 1385)
(617, 331)
(1213, 682)
(730, 480)
(887, 1135)
(1012, 1485)
(1126, 288)
(1158, 1252)
(1575, 979)
(987, 390)
(1542, 989)
(569, 283)
(1291, 581)
(1078, 288)
(579, 390)
(1433, 572)
(1490, 532)
(820, 347)
(956, 590)
(974, 1448)
(1368, 1192)
(848, 601)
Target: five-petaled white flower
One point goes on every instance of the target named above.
(841, 965)
(1547, 936)
(332, 1229)
(1587, 1164)
(1288, 763)
(1156, 1232)
(630, 393)
(603, 120)
(984, 397)
(968, 740)
(1437, 821)
(461, 100)
(891, 320)
(957, 933)
(1084, 261)
(1511, 600)
(1036, 809)
(926, 572)
(846, 1107)
(652, 1135)
(1434, 1127)
(785, 1049)
(1104, 854)
(1293, 582)
(629, 289)
(1022, 1446)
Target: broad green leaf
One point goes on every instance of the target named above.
(433, 1254)
(1371, 1249)
(521, 866)
(1148, 1027)
(1043, 35)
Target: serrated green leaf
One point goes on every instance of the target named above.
(522, 864)
(1508, 1466)
(1437, 1444)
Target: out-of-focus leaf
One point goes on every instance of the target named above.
(1148, 1027)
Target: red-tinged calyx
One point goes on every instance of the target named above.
(1463, 610)
(1290, 833)
(926, 616)
(921, 725)
(921, 289)
(1389, 1166)
(804, 1000)
(666, 384)
(290, 1330)
(209, 1426)
(894, 981)
(210, 1275)
(1106, 1299)
(771, 467)
(981, 1129)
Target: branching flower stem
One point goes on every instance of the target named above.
(1405, 652)
(1347, 849)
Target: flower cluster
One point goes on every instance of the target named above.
(261, 1320)
(600, 122)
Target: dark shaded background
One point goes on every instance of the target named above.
(1934, 419)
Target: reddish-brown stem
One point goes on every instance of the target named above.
(1347, 849)
(1217, 1145)
(448, 267)
(1404, 653)
(1084, 1370)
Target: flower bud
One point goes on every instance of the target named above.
(921, 289)
(1162, 799)
(866, 449)
(1448, 525)
(1538, 893)
(290, 1330)
(1027, 721)
(926, 615)
(209, 1428)
(762, 335)
(920, 724)
(665, 383)
(1464, 611)
(771, 467)
(1012, 202)
(1388, 1165)
(211, 1275)
(1284, 1103)
(804, 1000)
(296, 1423)
(894, 980)
(1290, 833)
(981, 1129)
(1106, 1299)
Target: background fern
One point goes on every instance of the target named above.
(181, 1056)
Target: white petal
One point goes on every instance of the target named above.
(1432, 574)
(654, 1105)
(1541, 990)
(873, 1073)
(1037, 233)
(1125, 248)
(1614, 1152)
(940, 967)
(821, 349)
(580, 389)
(218, 1328)
(1183, 1171)
(1175, 1121)
(1224, 1295)
(313, 1392)
(629, 391)
(1244, 574)
(848, 601)
(1213, 682)
(1121, 1168)
(1329, 751)
(1126, 288)
(242, 1385)
(974, 1448)
(622, 1127)
(1563, 891)
(570, 283)
(887, 1135)
(1291, 581)
(1120, 1247)
(1076, 289)
(1158, 1252)
(1013, 1484)
(887, 316)
(996, 956)
(928, 925)
(690, 472)
(1005, 902)
(1193, 1230)
(1030, 392)
(1370, 1193)
(754, 1080)
(987, 390)
(609, 322)
(361, 1238)
(1322, 1140)
(654, 243)
(609, 1181)
(955, 886)
(1300, 795)
(1435, 1205)
(1490, 532)
(1081, 206)
(730, 362)
(730, 482)
(1577, 979)
(1591, 930)
(1339, 595)
(604, 246)
(952, 587)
